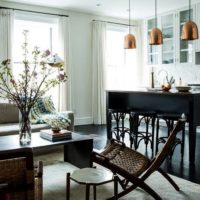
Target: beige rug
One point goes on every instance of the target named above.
(55, 185)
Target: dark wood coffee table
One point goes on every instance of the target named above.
(77, 150)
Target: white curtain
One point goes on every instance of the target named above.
(98, 64)
(6, 27)
(139, 52)
(64, 97)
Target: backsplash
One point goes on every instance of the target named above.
(188, 74)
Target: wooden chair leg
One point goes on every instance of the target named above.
(143, 186)
(169, 179)
(115, 187)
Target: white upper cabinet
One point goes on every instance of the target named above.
(197, 14)
(173, 50)
(152, 50)
(185, 48)
(168, 31)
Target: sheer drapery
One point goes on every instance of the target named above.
(6, 24)
(64, 97)
(6, 36)
(123, 66)
(98, 66)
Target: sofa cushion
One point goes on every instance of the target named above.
(13, 128)
(9, 113)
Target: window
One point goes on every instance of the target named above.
(42, 32)
(121, 64)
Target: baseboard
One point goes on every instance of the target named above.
(83, 120)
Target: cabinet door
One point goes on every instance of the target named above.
(186, 48)
(168, 47)
(152, 50)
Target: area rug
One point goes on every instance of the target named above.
(55, 186)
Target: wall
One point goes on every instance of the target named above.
(80, 58)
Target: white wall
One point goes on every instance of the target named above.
(80, 58)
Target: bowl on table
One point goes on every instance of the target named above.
(183, 88)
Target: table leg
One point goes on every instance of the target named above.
(192, 143)
(68, 187)
(78, 153)
(94, 191)
(87, 192)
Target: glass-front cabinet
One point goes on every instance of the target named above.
(168, 47)
(185, 47)
(173, 50)
(152, 50)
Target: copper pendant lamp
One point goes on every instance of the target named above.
(190, 29)
(129, 39)
(155, 37)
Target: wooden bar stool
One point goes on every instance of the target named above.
(118, 128)
(170, 119)
(91, 177)
(137, 135)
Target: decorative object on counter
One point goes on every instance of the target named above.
(32, 83)
(129, 39)
(183, 88)
(155, 37)
(152, 78)
(166, 87)
(190, 29)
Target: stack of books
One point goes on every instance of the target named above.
(48, 134)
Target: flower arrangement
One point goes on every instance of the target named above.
(35, 79)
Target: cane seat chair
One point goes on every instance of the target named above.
(133, 167)
(19, 179)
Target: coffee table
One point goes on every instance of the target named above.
(77, 150)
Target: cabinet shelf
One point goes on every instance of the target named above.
(167, 27)
(168, 52)
(167, 39)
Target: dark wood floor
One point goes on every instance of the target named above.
(176, 166)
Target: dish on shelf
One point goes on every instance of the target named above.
(194, 86)
(183, 88)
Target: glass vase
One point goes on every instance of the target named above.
(24, 128)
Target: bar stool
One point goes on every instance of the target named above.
(136, 118)
(119, 129)
(170, 119)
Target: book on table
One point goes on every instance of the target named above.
(50, 135)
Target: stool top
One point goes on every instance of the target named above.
(92, 176)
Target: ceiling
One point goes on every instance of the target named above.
(112, 8)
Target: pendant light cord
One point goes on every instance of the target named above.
(189, 9)
(129, 16)
(156, 13)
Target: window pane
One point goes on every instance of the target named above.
(41, 34)
(121, 64)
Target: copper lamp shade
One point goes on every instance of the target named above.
(156, 37)
(129, 41)
(189, 31)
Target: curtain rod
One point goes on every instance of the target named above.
(114, 23)
(35, 11)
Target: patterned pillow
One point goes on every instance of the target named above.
(45, 112)
(42, 106)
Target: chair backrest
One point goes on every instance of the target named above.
(164, 152)
(17, 174)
